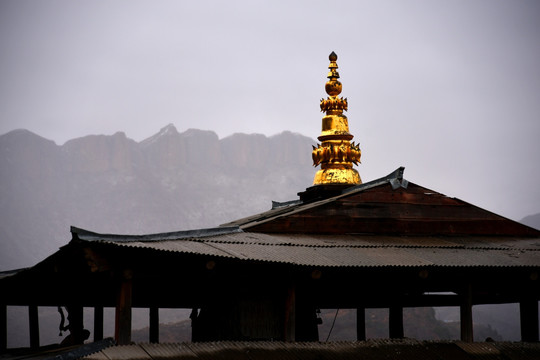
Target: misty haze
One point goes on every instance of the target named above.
(449, 90)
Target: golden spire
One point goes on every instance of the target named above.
(335, 154)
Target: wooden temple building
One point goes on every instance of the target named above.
(343, 244)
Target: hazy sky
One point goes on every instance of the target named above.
(449, 89)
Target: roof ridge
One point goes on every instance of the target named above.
(82, 234)
(395, 178)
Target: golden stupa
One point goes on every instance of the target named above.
(336, 154)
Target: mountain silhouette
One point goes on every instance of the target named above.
(170, 181)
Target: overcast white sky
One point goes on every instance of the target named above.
(448, 89)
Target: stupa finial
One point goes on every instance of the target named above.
(335, 154)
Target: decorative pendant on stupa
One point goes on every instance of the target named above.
(336, 154)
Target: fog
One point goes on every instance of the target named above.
(448, 89)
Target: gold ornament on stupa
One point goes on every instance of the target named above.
(336, 154)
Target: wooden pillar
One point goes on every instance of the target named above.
(98, 323)
(3, 327)
(361, 323)
(34, 326)
(290, 314)
(528, 313)
(306, 328)
(122, 326)
(395, 322)
(465, 314)
(154, 325)
(76, 321)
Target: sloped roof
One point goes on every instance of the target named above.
(353, 250)
(389, 205)
(291, 207)
(359, 233)
(262, 350)
(497, 242)
(387, 222)
(374, 349)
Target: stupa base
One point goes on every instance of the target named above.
(337, 176)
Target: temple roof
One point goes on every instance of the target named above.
(261, 350)
(346, 231)
(344, 250)
(390, 205)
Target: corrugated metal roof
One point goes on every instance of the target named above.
(126, 352)
(60, 353)
(168, 351)
(339, 250)
(375, 349)
(526, 351)
(486, 351)
(371, 349)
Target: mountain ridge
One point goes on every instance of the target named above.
(110, 183)
(167, 182)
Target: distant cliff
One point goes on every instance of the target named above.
(168, 182)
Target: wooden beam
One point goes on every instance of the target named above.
(361, 323)
(3, 327)
(290, 314)
(98, 323)
(528, 313)
(154, 325)
(34, 326)
(395, 322)
(122, 328)
(465, 313)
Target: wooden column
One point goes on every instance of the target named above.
(154, 325)
(98, 323)
(528, 313)
(395, 322)
(122, 328)
(290, 314)
(361, 323)
(34, 326)
(3, 327)
(76, 322)
(306, 328)
(465, 314)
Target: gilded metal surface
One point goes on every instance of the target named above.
(336, 154)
